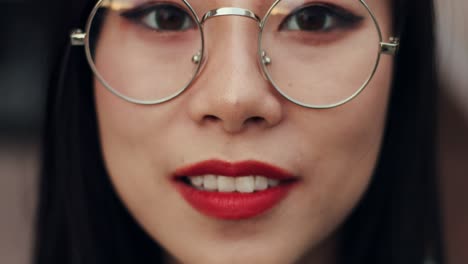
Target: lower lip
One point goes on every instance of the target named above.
(233, 206)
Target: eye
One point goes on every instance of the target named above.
(161, 17)
(319, 18)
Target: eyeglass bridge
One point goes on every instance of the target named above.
(230, 11)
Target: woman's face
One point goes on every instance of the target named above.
(231, 171)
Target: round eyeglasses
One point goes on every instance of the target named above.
(317, 54)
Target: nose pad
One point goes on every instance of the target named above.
(200, 58)
(263, 60)
(232, 91)
(197, 58)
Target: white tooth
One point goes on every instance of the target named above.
(210, 182)
(261, 183)
(272, 182)
(226, 184)
(245, 184)
(197, 181)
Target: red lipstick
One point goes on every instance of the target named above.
(233, 205)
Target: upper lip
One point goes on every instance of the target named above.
(234, 169)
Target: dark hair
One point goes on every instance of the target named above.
(81, 219)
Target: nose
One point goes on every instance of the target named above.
(231, 92)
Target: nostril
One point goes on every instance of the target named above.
(255, 120)
(211, 118)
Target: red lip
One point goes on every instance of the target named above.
(234, 205)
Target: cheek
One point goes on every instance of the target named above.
(348, 138)
(132, 138)
(341, 150)
(131, 135)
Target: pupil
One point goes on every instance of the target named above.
(312, 19)
(170, 18)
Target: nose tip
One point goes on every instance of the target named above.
(231, 92)
(235, 116)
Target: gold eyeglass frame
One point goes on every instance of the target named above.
(80, 38)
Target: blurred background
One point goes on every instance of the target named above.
(453, 126)
(28, 50)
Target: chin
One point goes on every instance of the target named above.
(238, 253)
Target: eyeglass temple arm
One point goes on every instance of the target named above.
(77, 37)
(390, 48)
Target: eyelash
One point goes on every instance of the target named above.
(337, 18)
(148, 10)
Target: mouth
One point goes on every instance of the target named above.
(233, 191)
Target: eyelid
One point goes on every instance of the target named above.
(140, 12)
(348, 17)
(148, 7)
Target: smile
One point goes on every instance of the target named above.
(242, 184)
(233, 191)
